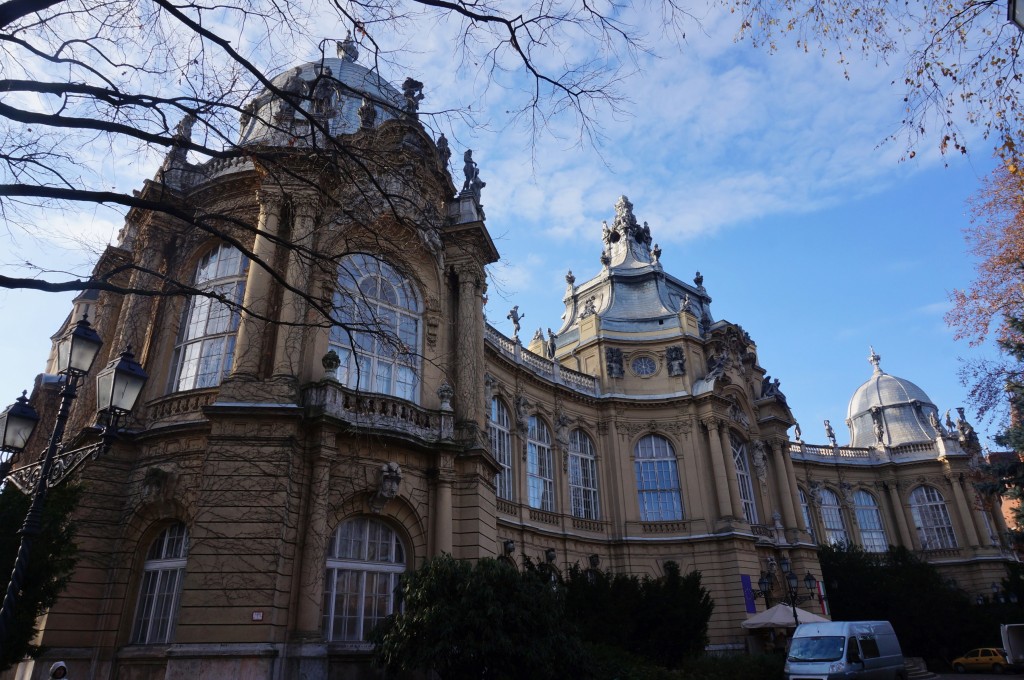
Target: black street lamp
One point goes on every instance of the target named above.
(16, 425)
(118, 386)
(793, 596)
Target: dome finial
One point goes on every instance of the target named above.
(875, 360)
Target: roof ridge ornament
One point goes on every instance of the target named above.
(875, 361)
(626, 242)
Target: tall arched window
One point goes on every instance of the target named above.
(657, 480)
(805, 508)
(931, 518)
(377, 336)
(498, 428)
(583, 476)
(869, 519)
(540, 469)
(742, 462)
(206, 338)
(832, 518)
(364, 561)
(160, 591)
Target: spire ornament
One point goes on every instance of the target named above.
(875, 361)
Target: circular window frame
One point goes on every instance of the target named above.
(640, 357)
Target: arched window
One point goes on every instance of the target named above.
(583, 476)
(377, 336)
(540, 469)
(869, 519)
(162, 575)
(206, 338)
(832, 518)
(501, 447)
(742, 462)
(657, 480)
(931, 518)
(805, 508)
(364, 561)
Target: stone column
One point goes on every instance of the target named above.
(791, 477)
(730, 471)
(292, 333)
(901, 516)
(443, 505)
(135, 326)
(787, 494)
(252, 328)
(963, 510)
(318, 534)
(469, 354)
(712, 424)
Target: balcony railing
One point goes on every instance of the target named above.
(542, 366)
(180, 405)
(378, 411)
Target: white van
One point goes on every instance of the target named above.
(845, 649)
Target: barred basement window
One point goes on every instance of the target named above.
(832, 518)
(364, 562)
(159, 595)
(869, 519)
(931, 518)
(540, 468)
(742, 463)
(805, 508)
(378, 333)
(206, 338)
(583, 476)
(657, 480)
(498, 428)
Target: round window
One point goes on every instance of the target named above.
(644, 366)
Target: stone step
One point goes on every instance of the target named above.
(917, 670)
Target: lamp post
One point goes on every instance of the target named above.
(118, 386)
(793, 596)
(16, 425)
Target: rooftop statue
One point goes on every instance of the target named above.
(323, 91)
(412, 90)
(443, 152)
(347, 49)
(473, 183)
(367, 114)
(515, 317)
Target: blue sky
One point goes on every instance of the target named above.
(770, 174)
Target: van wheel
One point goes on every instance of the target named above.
(997, 668)
(959, 668)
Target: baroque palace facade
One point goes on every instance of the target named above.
(280, 474)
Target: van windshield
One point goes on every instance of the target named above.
(822, 648)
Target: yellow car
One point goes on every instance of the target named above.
(982, 659)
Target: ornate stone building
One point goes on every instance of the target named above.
(283, 470)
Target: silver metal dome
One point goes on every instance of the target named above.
(890, 410)
(345, 85)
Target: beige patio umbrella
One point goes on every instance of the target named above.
(781, 616)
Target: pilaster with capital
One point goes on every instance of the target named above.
(787, 459)
(252, 327)
(956, 481)
(312, 567)
(443, 539)
(712, 424)
(901, 515)
(293, 333)
(135, 326)
(730, 470)
(468, 345)
(785, 493)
